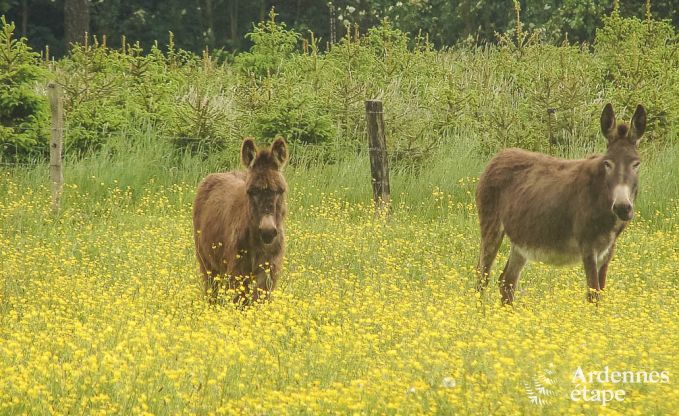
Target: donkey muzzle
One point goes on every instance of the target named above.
(623, 211)
(267, 229)
(622, 202)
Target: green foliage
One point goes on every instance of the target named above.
(276, 93)
(23, 110)
(203, 116)
(95, 85)
(219, 23)
(561, 20)
(272, 45)
(110, 92)
(641, 60)
(523, 92)
(297, 120)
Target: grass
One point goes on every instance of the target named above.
(101, 312)
(140, 161)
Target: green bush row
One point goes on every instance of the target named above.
(521, 92)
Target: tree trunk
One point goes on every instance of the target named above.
(262, 10)
(209, 18)
(233, 24)
(76, 20)
(24, 18)
(467, 18)
(298, 11)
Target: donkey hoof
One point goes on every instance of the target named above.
(594, 296)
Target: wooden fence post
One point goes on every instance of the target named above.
(56, 143)
(379, 166)
(551, 117)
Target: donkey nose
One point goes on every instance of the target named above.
(268, 234)
(624, 211)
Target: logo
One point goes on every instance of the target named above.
(541, 388)
(600, 387)
(587, 385)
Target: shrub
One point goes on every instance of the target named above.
(272, 46)
(521, 92)
(641, 60)
(277, 98)
(23, 110)
(203, 116)
(96, 95)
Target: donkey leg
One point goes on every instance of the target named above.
(266, 282)
(211, 286)
(491, 238)
(208, 281)
(591, 272)
(239, 287)
(603, 268)
(510, 275)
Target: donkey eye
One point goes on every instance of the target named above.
(608, 165)
(636, 165)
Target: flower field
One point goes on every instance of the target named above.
(101, 313)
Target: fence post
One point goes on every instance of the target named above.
(551, 117)
(56, 143)
(379, 167)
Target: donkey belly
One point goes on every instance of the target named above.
(564, 256)
(561, 256)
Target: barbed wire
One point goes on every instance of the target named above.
(22, 164)
(353, 146)
(194, 138)
(24, 129)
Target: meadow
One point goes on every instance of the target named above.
(101, 310)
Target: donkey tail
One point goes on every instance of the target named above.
(492, 231)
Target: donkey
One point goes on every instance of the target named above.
(559, 211)
(238, 220)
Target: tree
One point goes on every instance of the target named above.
(76, 20)
(23, 111)
(222, 24)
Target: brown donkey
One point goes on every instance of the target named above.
(238, 223)
(559, 211)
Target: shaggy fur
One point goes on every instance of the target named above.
(238, 220)
(559, 211)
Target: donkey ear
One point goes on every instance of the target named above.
(279, 150)
(248, 152)
(608, 121)
(638, 124)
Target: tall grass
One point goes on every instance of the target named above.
(140, 162)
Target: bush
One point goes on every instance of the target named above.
(23, 110)
(96, 95)
(278, 99)
(273, 45)
(521, 92)
(203, 117)
(641, 63)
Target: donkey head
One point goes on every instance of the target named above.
(621, 162)
(266, 186)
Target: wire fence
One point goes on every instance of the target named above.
(352, 147)
(59, 146)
